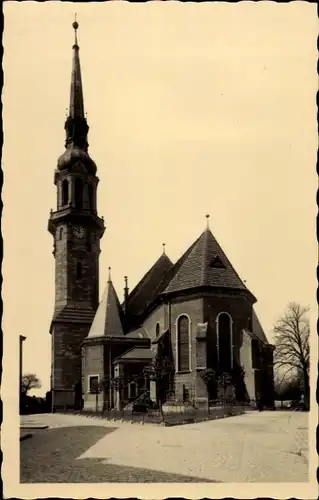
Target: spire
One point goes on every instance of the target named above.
(76, 109)
(108, 318)
(76, 126)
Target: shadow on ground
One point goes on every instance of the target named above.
(50, 456)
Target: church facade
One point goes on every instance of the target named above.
(196, 312)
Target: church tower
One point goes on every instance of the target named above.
(76, 229)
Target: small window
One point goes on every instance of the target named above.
(65, 192)
(79, 270)
(61, 233)
(93, 384)
(157, 330)
(132, 390)
(249, 325)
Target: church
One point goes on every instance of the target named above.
(197, 312)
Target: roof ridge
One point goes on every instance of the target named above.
(146, 276)
(203, 266)
(193, 269)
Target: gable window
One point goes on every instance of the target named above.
(217, 262)
(78, 193)
(224, 325)
(183, 344)
(65, 192)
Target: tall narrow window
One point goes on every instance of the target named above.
(157, 330)
(79, 270)
(65, 192)
(78, 193)
(224, 335)
(90, 196)
(61, 233)
(183, 357)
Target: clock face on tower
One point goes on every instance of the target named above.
(78, 232)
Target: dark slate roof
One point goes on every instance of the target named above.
(136, 354)
(258, 329)
(149, 287)
(160, 336)
(139, 333)
(108, 318)
(204, 264)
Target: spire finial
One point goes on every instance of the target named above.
(75, 25)
(125, 281)
(163, 244)
(76, 126)
(109, 279)
(207, 221)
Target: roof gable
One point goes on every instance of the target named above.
(149, 287)
(204, 264)
(108, 318)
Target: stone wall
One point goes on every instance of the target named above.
(66, 360)
(92, 364)
(246, 361)
(157, 316)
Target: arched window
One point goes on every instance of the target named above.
(183, 341)
(224, 341)
(157, 330)
(90, 196)
(65, 192)
(79, 270)
(60, 233)
(78, 193)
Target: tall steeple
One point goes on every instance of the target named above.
(76, 108)
(76, 125)
(77, 230)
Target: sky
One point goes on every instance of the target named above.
(193, 109)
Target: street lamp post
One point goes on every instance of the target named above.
(22, 339)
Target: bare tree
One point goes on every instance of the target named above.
(158, 371)
(291, 340)
(30, 381)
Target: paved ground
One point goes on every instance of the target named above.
(256, 447)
